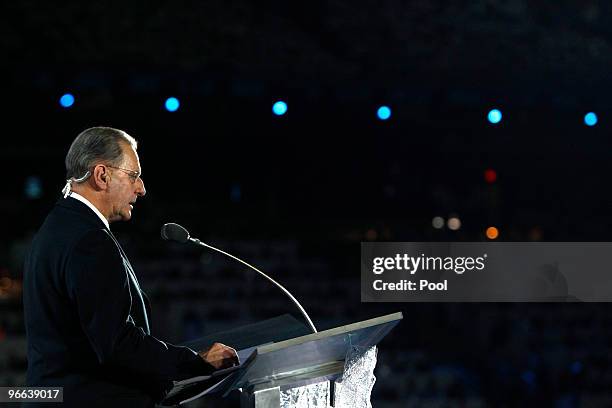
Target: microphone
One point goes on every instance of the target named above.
(174, 232)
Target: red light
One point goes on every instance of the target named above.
(490, 176)
(371, 235)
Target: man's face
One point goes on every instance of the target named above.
(125, 187)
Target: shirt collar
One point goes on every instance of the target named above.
(88, 203)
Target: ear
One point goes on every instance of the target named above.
(100, 177)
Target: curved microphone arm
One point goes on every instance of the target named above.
(314, 330)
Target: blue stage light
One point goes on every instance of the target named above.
(33, 187)
(172, 104)
(279, 108)
(494, 116)
(590, 119)
(383, 113)
(66, 100)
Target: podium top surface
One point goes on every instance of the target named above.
(254, 334)
(313, 355)
(393, 318)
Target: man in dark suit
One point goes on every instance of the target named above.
(87, 320)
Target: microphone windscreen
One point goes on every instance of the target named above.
(174, 232)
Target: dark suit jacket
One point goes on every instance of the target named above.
(87, 321)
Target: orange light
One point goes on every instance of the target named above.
(492, 233)
(5, 283)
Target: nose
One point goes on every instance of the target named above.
(140, 189)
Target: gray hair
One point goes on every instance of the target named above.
(94, 145)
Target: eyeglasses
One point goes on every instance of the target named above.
(133, 175)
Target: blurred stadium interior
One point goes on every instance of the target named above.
(296, 194)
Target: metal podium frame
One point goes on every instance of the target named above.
(304, 360)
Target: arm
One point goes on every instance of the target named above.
(98, 284)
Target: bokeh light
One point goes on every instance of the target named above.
(492, 233)
(454, 223)
(172, 104)
(494, 116)
(437, 222)
(279, 108)
(590, 119)
(383, 113)
(490, 176)
(66, 100)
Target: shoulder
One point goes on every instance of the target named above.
(94, 248)
(94, 260)
(67, 223)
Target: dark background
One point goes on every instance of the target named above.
(296, 194)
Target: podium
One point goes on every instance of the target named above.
(306, 366)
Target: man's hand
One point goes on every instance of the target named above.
(220, 356)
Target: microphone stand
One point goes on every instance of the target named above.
(312, 327)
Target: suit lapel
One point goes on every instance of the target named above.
(134, 282)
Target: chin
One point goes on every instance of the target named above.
(124, 216)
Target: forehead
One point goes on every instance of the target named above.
(130, 157)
